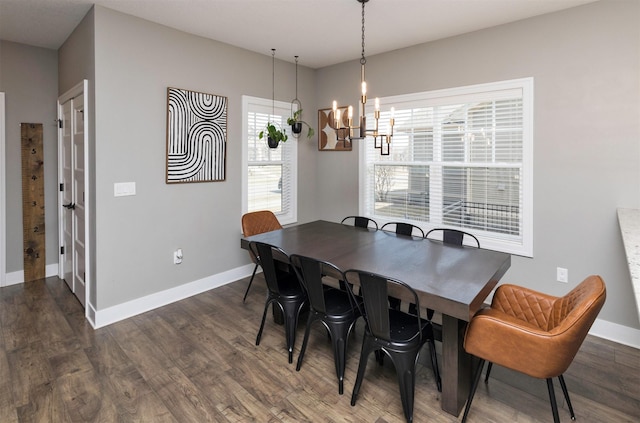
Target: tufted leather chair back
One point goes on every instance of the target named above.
(259, 222)
(535, 333)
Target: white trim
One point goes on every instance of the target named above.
(247, 102)
(523, 87)
(3, 201)
(601, 328)
(107, 316)
(17, 277)
(81, 88)
(615, 332)
(243, 154)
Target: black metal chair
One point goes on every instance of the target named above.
(402, 228)
(361, 221)
(406, 229)
(453, 236)
(254, 223)
(335, 308)
(396, 334)
(284, 289)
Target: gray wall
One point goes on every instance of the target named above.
(585, 62)
(29, 99)
(586, 65)
(135, 62)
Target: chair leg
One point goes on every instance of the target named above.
(566, 396)
(306, 339)
(552, 399)
(434, 364)
(405, 370)
(486, 377)
(339, 337)
(367, 347)
(291, 312)
(250, 282)
(472, 392)
(264, 317)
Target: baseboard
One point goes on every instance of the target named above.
(101, 318)
(98, 318)
(15, 278)
(617, 333)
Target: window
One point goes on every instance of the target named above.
(460, 158)
(269, 175)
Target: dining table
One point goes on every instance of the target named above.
(450, 279)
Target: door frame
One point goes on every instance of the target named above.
(80, 89)
(3, 196)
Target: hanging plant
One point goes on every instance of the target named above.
(296, 124)
(295, 121)
(273, 134)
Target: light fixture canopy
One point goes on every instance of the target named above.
(350, 132)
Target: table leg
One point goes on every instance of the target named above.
(456, 366)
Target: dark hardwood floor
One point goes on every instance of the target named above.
(196, 361)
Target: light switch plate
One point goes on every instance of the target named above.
(562, 274)
(121, 189)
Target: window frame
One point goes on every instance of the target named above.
(282, 109)
(472, 93)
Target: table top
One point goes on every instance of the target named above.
(454, 280)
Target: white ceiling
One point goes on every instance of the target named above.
(321, 32)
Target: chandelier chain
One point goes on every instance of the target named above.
(273, 81)
(363, 60)
(296, 76)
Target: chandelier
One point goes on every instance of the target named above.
(351, 132)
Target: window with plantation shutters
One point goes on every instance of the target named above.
(269, 174)
(459, 158)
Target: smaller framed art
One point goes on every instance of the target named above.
(327, 137)
(196, 136)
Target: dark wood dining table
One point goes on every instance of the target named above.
(453, 280)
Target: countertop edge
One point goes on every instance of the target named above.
(629, 220)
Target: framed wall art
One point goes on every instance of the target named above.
(196, 136)
(327, 137)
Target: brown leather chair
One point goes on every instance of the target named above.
(534, 333)
(255, 223)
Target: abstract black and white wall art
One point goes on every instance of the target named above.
(196, 136)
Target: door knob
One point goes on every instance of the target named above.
(70, 206)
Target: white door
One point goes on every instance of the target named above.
(66, 212)
(3, 224)
(72, 195)
(3, 232)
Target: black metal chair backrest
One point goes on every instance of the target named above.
(375, 290)
(361, 221)
(310, 272)
(404, 228)
(453, 236)
(264, 253)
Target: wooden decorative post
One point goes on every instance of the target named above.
(33, 230)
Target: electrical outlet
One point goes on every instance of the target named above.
(562, 274)
(177, 256)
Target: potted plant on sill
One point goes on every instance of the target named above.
(274, 135)
(296, 124)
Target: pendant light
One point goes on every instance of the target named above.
(349, 133)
